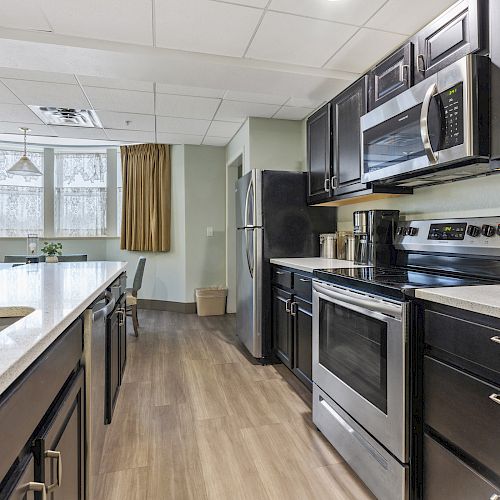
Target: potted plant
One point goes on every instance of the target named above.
(51, 250)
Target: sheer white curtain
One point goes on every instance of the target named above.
(21, 198)
(80, 194)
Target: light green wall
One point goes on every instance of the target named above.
(469, 198)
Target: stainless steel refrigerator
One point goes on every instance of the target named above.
(273, 220)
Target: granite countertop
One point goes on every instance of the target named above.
(56, 294)
(310, 264)
(482, 299)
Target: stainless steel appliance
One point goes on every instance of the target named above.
(363, 342)
(441, 123)
(273, 220)
(328, 245)
(374, 232)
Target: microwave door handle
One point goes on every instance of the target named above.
(424, 124)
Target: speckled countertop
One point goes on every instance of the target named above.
(58, 294)
(309, 264)
(482, 299)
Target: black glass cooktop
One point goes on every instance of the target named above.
(395, 282)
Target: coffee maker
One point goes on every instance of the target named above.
(374, 232)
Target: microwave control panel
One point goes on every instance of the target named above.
(452, 127)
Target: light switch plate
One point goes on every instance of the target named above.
(210, 231)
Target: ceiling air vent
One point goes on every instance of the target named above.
(69, 117)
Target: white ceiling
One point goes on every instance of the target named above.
(189, 71)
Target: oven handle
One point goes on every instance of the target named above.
(356, 299)
(424, 124)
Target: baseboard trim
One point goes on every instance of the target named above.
(166, 305)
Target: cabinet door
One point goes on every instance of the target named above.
(391, 77)
(347, 110)
(302, 353)
(282, 326)
(112, 362)
(63, 445)
(318, 155)
(123, 338)
(454, 34)
(20, 485)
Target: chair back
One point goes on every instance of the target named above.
(139, 273)
(77, 257)
(15, 258)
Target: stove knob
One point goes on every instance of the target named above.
(487, 230)
(413, 231)
(473, 231)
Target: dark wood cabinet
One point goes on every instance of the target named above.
(112, 362)
(122, 325)
(302, 334)
(347, 109)
(282, 325)
(22, 484)
(391, 76)
(318, 155)
(457, 32)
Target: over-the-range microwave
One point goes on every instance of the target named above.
(436, 131)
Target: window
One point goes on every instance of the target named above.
(21, 198)
(80, 183)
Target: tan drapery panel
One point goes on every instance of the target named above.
(146, 197)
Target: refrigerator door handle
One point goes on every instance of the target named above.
(247, 248)
(247, 199)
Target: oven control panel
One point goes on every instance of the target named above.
(478, 235)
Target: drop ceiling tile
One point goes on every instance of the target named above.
(352, 12)
(205, 26)
(130, 101)
(126, 21)
(292, 113)
(48, 94)
(13, 128)
(79, 132)
(135, 136)
(304, 102)
(25, 15)
(112, 119)
(181, 125)
(403, 16)
(17, 113)
(165, 138)
(250, 3)
(216, 141)
(37, 76)
(166, 88)
(114, 83)
(365, 49)
(6, 96)
(298, 40)
(237, 111)
(223, 129)
(233, 95)
(186, 106)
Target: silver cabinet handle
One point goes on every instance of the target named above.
(327, 185)
(57, 455)
(304, 280)
(293, 308)
(495, 398)
(33, 486)
(123, 314)
(495, 497)
(288, 305)
(333, 182)
(421, 63)
(495, 339)
(405, 73)
(424, 124)
(280, 272)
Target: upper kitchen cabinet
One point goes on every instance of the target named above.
(318, 155)
(391, 76)
(347, 109)
(459, 31)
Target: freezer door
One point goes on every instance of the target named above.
(249, 289)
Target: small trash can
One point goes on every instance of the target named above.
(211, 301)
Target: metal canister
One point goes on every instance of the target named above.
(350, 247)
(328, 245)
(341, 242)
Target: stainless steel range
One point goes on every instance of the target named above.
(363, 342)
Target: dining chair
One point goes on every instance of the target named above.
(77, 257)
(132, 294)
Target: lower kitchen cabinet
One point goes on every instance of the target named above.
(302, 332)
(22, 481)
(282, 326)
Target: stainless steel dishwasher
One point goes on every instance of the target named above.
(94, 358)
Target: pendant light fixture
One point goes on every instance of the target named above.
(24, 166)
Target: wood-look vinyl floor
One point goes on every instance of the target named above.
(195, 419)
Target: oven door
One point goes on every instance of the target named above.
(433, 123)
(360, 359)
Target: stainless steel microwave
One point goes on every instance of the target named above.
(441, 123)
